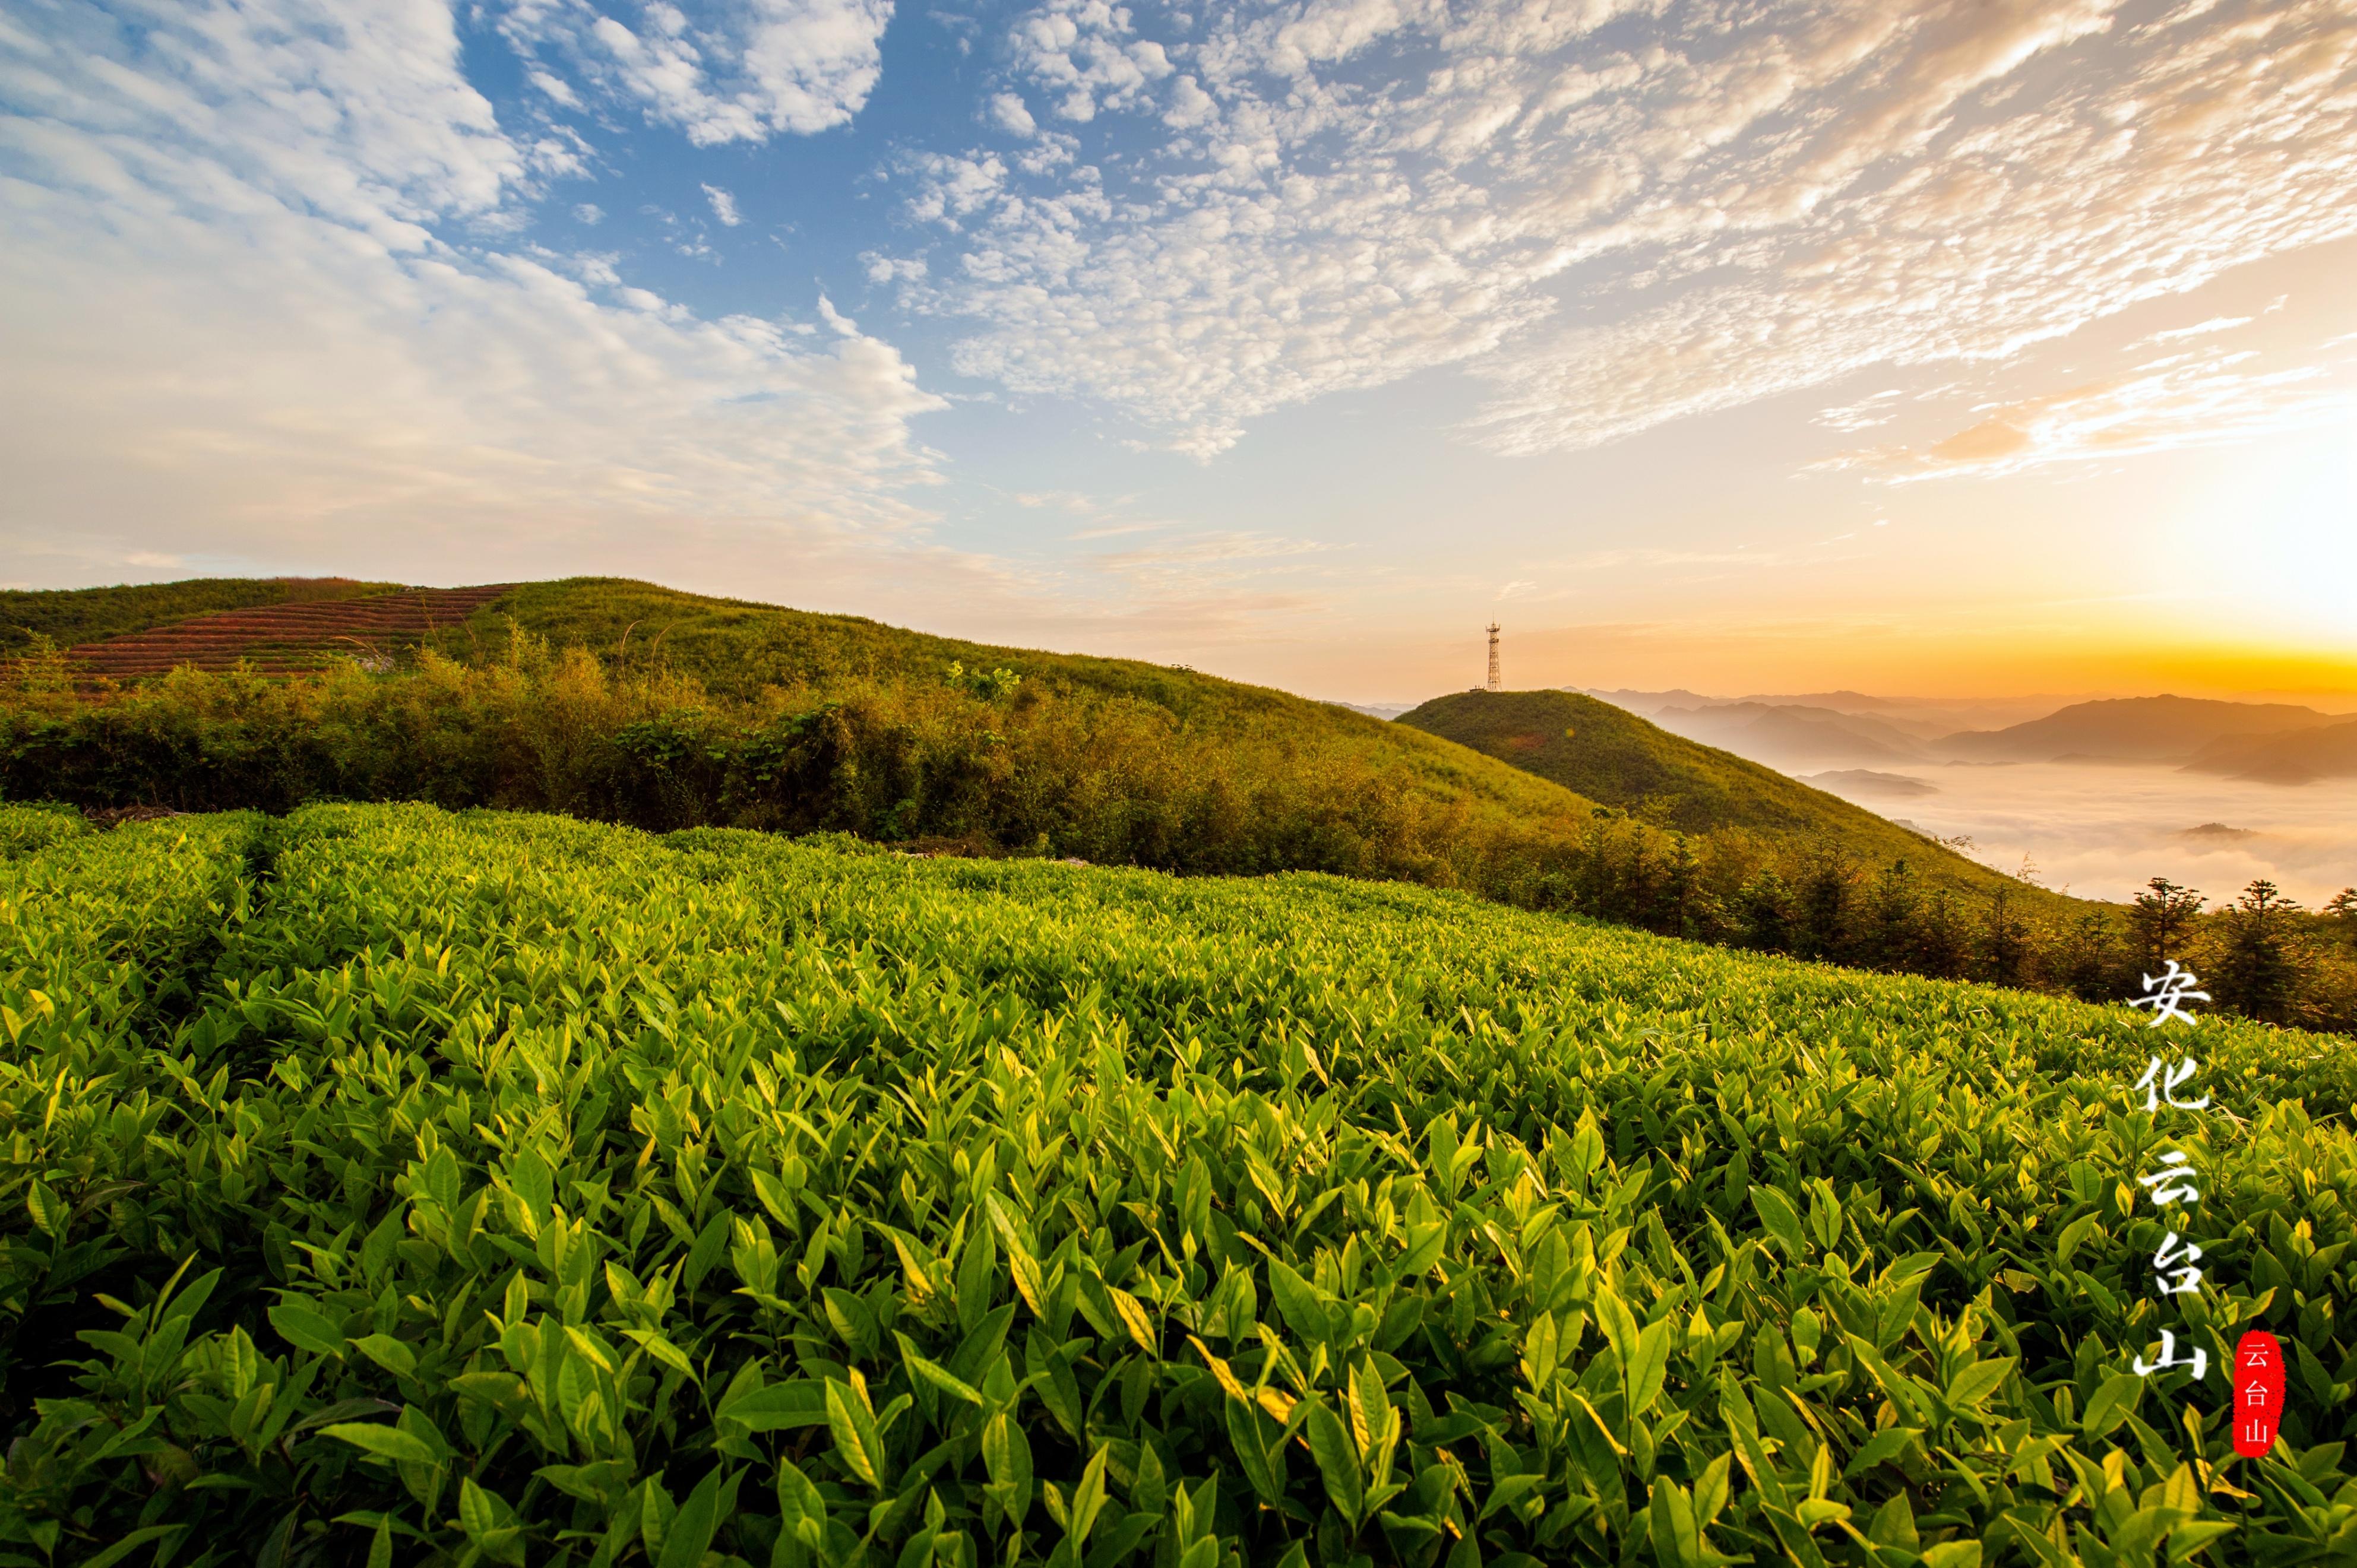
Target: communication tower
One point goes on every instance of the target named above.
(1493, 656)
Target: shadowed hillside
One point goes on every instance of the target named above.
(1611, 755)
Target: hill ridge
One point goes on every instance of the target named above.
(1602, 750)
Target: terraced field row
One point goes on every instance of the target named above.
(283, 639)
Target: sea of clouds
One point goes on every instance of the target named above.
(2103, 831)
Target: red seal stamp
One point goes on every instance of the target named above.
(2258, 1383)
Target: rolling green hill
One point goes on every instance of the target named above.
(738, 648)
(1610, 755)
(628, 702)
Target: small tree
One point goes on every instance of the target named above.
(2159, 919)
(1892, 908)
(1940, 944)
(1823, 906)
(2257, 967)
(2005, 939)
(1681, 876)
(1764, 909)
(2089, 953)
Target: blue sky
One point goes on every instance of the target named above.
(1765, 345)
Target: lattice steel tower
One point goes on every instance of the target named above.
(1493, 656)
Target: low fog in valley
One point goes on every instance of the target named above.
(2100, 796)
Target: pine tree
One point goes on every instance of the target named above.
(2160, 920)
(1824, 904)
(1763, 908)
(1640, 887)
(2088, 955)
(2258, 963)
(1893, 909)
(1940, 946)
(1679, 877)
(2005, 939)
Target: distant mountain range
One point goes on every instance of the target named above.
(2133, 729)
(2279, 743)
(1793, 732)
(1926, 717)
(2297, 755)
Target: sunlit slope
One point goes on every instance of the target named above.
(736, 649)
(525, 1180)
(1613, 755)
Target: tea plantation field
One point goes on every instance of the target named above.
(389, 1187)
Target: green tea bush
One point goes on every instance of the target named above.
(518, 1191)
(24, 829)
(104, 940)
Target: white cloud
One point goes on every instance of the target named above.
(892, 269)
(588, 213)
(724, 70)
(1863, 414)
(1619, 214)
(2201, 328)
(1189, 105)
(227, 305)
(2211, 400)
(557, 86)
(723, 206)
(1083, 54)
(1009, 113)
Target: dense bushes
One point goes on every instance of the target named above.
(2260, 955)
(516, 1190)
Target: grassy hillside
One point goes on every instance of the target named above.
(768, 658)
(704, 713)
(70, 615)
(1611, 755)
(738, 650)
(399, 1187)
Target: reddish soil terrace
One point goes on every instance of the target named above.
(283, 640)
